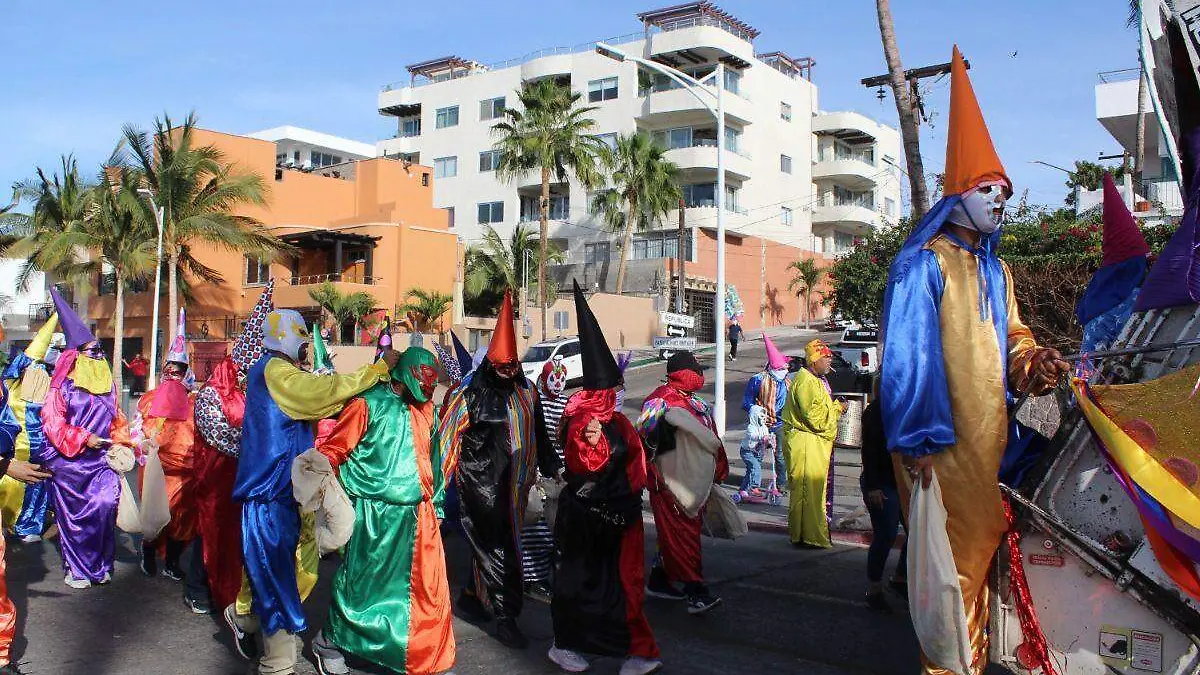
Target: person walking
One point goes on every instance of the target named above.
(139, 368)
(878, 482)
(810, 419)
(769, 389)
(734, 336)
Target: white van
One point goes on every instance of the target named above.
(567, 349)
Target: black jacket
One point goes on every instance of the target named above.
(877, 471)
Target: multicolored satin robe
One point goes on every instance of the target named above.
(23, 507)
(953, 345)
(9, 430)
(391, 597)
(282, 401)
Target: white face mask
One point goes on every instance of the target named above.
(779, 373)
(981, 210)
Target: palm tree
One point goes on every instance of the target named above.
(806, 276)
(343, 307)
(551, 134)
(1134, 20)
(906, 110)
(645, 188)
(61, 201)
(495, 264)
(199, 192)
(425, 307)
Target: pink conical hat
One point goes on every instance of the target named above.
(178, 352)
(1122, 237)
(775, 358)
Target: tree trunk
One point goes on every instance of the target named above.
(543, 245)
(173, 295)
(118, 336)
(906, 111)
(627, 242)
(1140, 146)
(808, 307)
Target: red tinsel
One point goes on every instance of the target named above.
(1033, 652)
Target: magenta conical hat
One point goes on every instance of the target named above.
(178, 352)
(1122, 237)
(73, 327)
(775, 358)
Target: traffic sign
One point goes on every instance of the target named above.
(685, 343)
(673, 319)
(676, 331)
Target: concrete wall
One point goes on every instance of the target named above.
(627, 321)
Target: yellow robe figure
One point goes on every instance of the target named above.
(810, 422)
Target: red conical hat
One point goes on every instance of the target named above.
(503, 347)
(1122, 237)
(971, 159)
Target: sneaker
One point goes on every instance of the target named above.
(658, 586)
(29, 539)
(700, 603)
(172, 572)
(197, 606)
(538, 591)
(243, 642)
(77, 584)
(509, 634)
(106, 579)
(877, 602)
(568, 660)
(149, 561)
(638, 665)
(471, 608)
(10, 669)
(329, 660)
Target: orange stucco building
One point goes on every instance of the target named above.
(366, 225)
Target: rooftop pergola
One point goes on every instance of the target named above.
(456, 66)
(668, 18)
(789, 65)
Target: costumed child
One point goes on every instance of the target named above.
(758, 454)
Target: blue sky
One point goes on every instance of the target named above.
(76, 71)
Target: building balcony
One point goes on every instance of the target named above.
(1116, 110)
(662, 108)
(703, 155)
(292, 292)
(848, 126)
(853, 218)
(852, 173)
(553, 65)
(402, 145)
(700, 38)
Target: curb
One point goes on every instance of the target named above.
(851, 537)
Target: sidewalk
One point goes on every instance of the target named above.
(643, 356)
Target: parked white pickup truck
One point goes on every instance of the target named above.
(860, 347)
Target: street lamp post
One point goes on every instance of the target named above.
(152, 381)
(717, 108)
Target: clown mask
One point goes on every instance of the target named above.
(981, 209)
(554, 377)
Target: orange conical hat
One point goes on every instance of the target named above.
(503, 347)
(971, 159)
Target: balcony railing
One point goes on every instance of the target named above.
(1121, 75)
(704, 20)
(712, 204)
(313, 279)
(709, 143)
(40, 313)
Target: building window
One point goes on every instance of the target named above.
(424, 179)
(445, 167)
(660, 246)
(733, 81)
(785, 112)
(595, 253)
(889, 207)
(450, 217)
(410, 127)
(842, 242)
(733, 139)
(705, 194)
(560, 207)
(785, 215)
(258, 271)
(489, 160)
(785, 164)
(562, 320)
(491, 212)
(447, 117)
(671, 139)
(320, 159)
(602, 90)
(608, 139)
(492, 108)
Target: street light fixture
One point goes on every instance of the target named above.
(1052, 166)
(715, 104)
(158, 221)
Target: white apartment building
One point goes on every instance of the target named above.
(794, 174)
(308, 150)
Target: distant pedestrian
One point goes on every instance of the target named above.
(139, 368)
(810, 419)
(878, 483)
(735, 336)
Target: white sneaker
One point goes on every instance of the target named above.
(31, 539)
(568, 660)
(107, 578)
(637, 665)
(78, 584)
(329, 660)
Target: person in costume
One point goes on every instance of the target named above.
(28, 381)
(678, 529)
(810, 419)
(220, 408)
(597, 605)
(282, 401)
(768, 389)
(955, 350)
(164, 424)
(495, 445)
(391, 597)
(83, 424)
(537, 540)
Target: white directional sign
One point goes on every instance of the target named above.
(676, 331)
(673, 319)
(685, 343)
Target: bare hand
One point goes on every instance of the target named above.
(95, 441)
(874, 498)
(391, 357)
(843, 406)
(1048, 367)
(920, 467)
(26, 472)
(591, 433)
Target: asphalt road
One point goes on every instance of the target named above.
(786, 610)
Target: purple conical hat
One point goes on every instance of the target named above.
(249, 346)
(178, 352)
(76, 331)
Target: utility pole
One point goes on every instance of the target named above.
(681, 256)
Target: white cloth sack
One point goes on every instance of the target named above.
(688, 470)
(120, 459)
(156, 506)
(550, 490)
(722, 518)
(534, 506)
(935, 598)
(316, 488)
